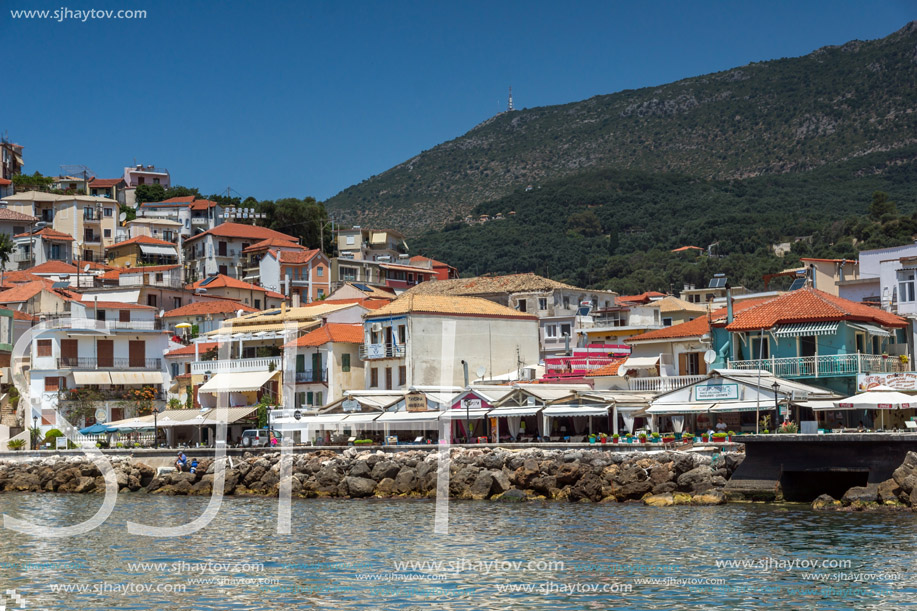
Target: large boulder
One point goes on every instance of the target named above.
(825, 501)
(888, 492)
(710, 497)
(699, 479)
(860, 494)
(385, 468)
(659, 500)
(359, 487)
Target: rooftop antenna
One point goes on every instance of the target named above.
(509, 106)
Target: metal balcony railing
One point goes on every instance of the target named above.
(310, 376)
(267, 363)
(663, 383)
(381, 351)
(82, 362)
(824, 366)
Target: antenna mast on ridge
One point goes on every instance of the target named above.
(509, 106)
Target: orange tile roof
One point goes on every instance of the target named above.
(24, 292)
(331, 332)
(641, 298)
(53, 267)
(686, 248)
(448, 305)
(19, 277)
(141, 239)
(202, 204)
(696, 327)
(102, 183)
(48, 234)
(189, 349)
(369, 304)
(198, 308)
(11, 215)
(272, 243)
(5, 181)
(289, 257)
(115, 273)
(810, 305)
(611, 369)
(238, 230)
(223, 281)
(17, 315)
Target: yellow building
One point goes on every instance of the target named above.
(140, 251)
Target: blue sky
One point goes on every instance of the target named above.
(306, 98)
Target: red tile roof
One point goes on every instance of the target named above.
(331, 332)
(202, 204)
(222, 281)
(686, 248)
(115, 273)
(238, 230)
(189, 350)
(369, 304)
(19, 277)
(641, 298)
(17, 315)
(611, 369)
(198, 308)
(272, 243)
(104, 183)
(141, 239)
(48, 234)
(5, 182)
(24, 292)
(291, 257)
(696, 326)
(11, 215)
(810, 305)
(54, 267)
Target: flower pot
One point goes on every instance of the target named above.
(605, 440)
(704, 438)
(719, 440)
(643, 440)
(613, 441)
(668, 439)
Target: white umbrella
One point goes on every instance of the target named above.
(878, 397)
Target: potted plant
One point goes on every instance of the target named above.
(668, 438)
(719, 437)
(704, 437)
(629, 438)
(655, 437)
(642, 437)
(614, 438)
(603, 438)
(731, 434)
(591, 438)
(687, 437)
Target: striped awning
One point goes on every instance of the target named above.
(871, 329)
(807, 328)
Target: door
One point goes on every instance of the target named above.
(317, 367)
(807, 350)
(105, 350)
(68, 352)
(137, 353)
(124, 315)
(388, 378)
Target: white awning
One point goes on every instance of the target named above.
(665, 409)
(193, 418)
(871, 329)
(639, 362)
(323, 419)
(156, 249)
(508, 412)
(575, 410)
(743, 406)
(136, 377)
(228, 415)
(462, 414)
(362, 417)
(237, 382)
(91, 377)
(807, 328)
(818, 406)
(408, 416)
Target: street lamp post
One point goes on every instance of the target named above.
(34, 427)
(776, 387)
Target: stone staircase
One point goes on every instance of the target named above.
(8, 415)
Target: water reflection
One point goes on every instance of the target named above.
(384, 555)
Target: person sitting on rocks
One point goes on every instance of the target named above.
(181, 461)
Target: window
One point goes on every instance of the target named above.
(320, 271)
(350, 240)
(176, 302)
(318, 398)
(565, 330)
(542, 303)
(108, 212)
(258, 303)
(373, 377)
(388, 378)
(691, 364)
(759, 348)
(155, 181)
(87, 255)
(222, 270)
(345, 362)
(18, 230)
(550, 331)
(402, 334)
(141, 180)
(43, 347)
(124, 315)
(348, 274)
(151, 300)
(310, 398)
(174, 370)
(566, 302)
(402, 375)
(100, 315)
(53, 384)
(523, 305)
(321, 293)
(906, 285)
(666, 322)
(159, 276)
(106, 233)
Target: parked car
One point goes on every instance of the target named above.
(259, 437)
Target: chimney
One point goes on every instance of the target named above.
(728, 304)
(295, 303)
(283, 307)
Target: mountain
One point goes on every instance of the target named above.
(784, 116)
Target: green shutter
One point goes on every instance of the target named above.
(345, 362)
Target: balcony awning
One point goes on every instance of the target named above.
(91, 377)
(807, 328)
(667, 409)
(639, 362)
(245, 381)
(508, 412)
(871, 329)
(817, 406)
(136, 377)
(322, 419)
(228, 415)
(155, 249)
(409, 416)
(362, 417)
(573, 411)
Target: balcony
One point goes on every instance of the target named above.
(74, 362)
(381, 351)
(663, 383)
(824, 366)
(92, 324)
(302, 283)
(267, 363)
(200, 221)
(312, 376)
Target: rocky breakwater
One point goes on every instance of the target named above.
(897, 493)
(664, 478)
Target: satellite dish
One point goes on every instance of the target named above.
(161, 312)
(239, 313)
(86, 267)
(481, 371)
(122, 216)
(709, 356)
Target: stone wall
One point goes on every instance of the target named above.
(662, 478)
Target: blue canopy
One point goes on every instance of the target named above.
(97, 429)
